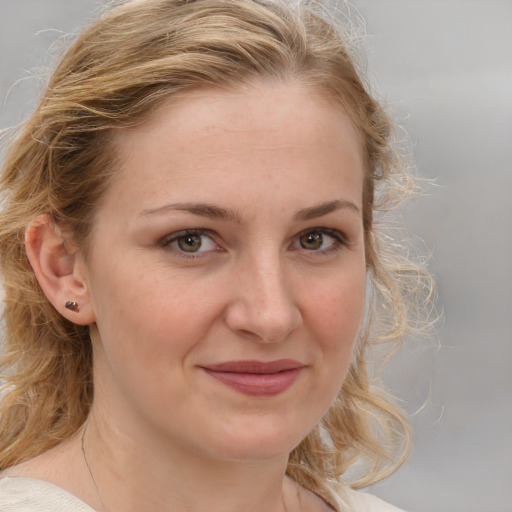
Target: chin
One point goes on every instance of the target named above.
(252, 443)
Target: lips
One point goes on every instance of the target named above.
(257, 378)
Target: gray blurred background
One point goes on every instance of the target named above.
(446, 66)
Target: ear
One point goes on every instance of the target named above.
(59, 269)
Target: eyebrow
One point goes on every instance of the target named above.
(216, 212)
(325, 208)
(202, 209)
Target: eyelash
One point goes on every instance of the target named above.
(338, 236)
(167, 241)
(174, 237)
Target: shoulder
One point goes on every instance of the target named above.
(20, 494)
(349, 500)
(357, 501)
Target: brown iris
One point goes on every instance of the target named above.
(311, 241)
(189, 243)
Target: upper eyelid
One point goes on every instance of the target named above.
(184, 232)
(335, 233)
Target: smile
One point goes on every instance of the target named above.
(257, 378)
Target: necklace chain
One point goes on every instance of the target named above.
(89, 467)
(82, 444)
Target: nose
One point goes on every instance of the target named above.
(264, 306)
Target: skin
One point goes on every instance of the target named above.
(275, 277)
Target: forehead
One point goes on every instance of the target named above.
(271, 131)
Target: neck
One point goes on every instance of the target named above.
(129, 473)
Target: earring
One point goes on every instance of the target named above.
(73, 306)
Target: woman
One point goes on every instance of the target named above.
(192, 272)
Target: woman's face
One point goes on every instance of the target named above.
(227, 271)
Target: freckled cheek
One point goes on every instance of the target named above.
(337, 313)
(163, 312)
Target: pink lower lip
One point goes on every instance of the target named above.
(257, 384)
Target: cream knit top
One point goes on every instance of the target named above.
(20, 494)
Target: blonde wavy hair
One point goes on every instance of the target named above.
(121, 68)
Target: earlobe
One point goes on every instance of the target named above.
(55, 263)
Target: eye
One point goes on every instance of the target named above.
(190, 242)
(320, 240)
(312, 241)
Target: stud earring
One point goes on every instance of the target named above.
(73, 306)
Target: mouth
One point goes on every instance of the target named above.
(256, 378)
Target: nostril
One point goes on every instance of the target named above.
(267, 324)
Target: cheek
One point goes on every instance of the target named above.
(335, 314)
(150, 316)
(341, 302)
